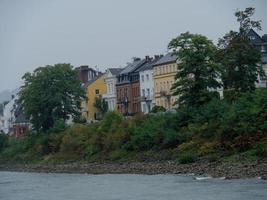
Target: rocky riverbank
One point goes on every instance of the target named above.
(214, 169)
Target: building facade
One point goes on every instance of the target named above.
(95, 88)
(128, 88)
(147, 99)
(86, 73)
(110, 81)
(15, 122)
(164, 71)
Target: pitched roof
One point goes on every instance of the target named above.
(115, 71)
(168, 58)
(149, 64)
(132, 66)
(254, 37)
(92, 80)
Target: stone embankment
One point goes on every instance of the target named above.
(214, 169)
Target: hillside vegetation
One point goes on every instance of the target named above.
(213, 131)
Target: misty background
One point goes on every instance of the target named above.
(102, 33)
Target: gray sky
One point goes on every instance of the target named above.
(104, 33)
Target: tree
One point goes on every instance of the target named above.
(101, 104)
(239, 58)
(51, 93)
(196, 79)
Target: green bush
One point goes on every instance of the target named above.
(187, 157)
(3, 141)
(157, 109)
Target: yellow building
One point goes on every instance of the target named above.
(94, 88)
(164, 72)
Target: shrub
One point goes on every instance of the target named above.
(157, 109)
(261, 149)
(3, 141)
(187, 157)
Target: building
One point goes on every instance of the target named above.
(15, 122)
(110, 81)
(164, 71)
(128, 87)
(86, 73)
(147, 85)
(261, 44)
(20, 124)
(95, 88)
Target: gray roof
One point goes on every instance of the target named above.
(132, 66)
(115, 71)
(257, 40)
(92, 80)
(149, 65)
(168, 58)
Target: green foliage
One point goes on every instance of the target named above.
(261, 149)
(51, 93)
(101, 105)
(75, 140)
(239, 58)
(197, 69)
(187, 157)
(157, 109)
(3, 141)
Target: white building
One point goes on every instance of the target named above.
(110, 81)
(9, 115)
(147, 85)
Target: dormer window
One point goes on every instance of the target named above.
(252, 37)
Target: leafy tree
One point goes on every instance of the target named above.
(198, 72)
(101, 104)
(157, 109)
(239, 58)
(51, 93)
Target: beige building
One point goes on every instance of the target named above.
(164, 72)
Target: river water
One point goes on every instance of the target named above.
(41, 186)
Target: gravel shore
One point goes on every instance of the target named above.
(214, 169)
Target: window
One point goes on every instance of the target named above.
(142, 78)
(147, 77)
(148, 92)
(143, 92)
(97, 91)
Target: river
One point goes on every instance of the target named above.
(42, 186)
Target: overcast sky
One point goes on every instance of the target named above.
(104, 33)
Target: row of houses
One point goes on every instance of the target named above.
(143, 83)
(138, 87)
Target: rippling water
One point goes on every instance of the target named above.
(41, 186)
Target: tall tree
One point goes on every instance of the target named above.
(198, 73)
(51, 93)
(239, 58)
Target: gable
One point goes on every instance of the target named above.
(254, 37)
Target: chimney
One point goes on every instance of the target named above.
(136, 59)
(147, 58)
(156, 56)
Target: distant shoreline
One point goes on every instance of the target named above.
(214, 169)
